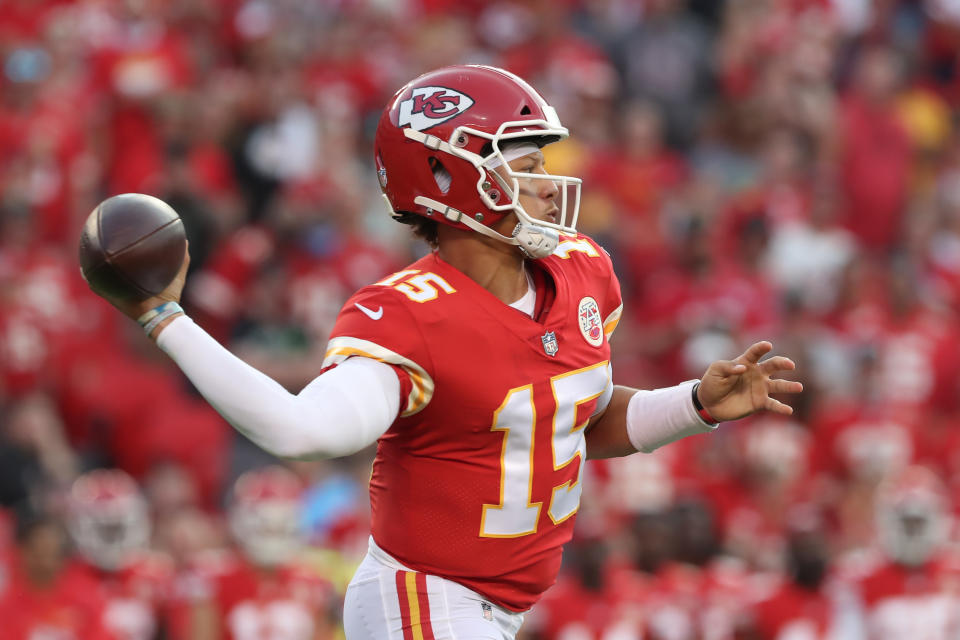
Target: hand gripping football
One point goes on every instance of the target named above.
(132, 247)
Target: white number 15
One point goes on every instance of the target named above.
(517, 514)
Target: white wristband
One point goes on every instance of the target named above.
(662, 416)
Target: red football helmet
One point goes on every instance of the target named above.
(443, 134)
(265, 515)
(913, 516)
(108, 517)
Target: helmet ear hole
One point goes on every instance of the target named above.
(525, 111)
(441, 175)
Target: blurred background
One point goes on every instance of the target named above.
(777, 169)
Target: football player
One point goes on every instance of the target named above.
(482, 370)
(42, 596)
(261, 592)
(914, 593)
(801, 604)
(109, 521)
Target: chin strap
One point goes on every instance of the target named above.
(534, 241)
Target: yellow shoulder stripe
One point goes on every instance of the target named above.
(341, 348)
(612, 320)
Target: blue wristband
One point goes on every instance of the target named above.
(155, 316)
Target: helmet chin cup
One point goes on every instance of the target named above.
(536, 241)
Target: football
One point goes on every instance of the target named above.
(131, 247)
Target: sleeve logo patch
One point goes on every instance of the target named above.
(591, 324)
(429, 106)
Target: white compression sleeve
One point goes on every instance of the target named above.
(340, 412)
(662, 416)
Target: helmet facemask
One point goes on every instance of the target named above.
(264, 516)
(268, 531)
(510, 146)
(108, 534)
(500, 190)
(912, 533)
(913, 516)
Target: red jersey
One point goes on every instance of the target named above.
(571, 610)
(687, 601)
(134, 596)
(794, 612)
(71, 608)
(478, 479)
(284, 605)
(920, 603)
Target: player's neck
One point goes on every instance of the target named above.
(496, 266)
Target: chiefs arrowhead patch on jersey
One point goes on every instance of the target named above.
(429, 106)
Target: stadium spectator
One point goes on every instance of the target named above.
(43, 597)
(109, 524)
(800, 603)
(913, 522)
(263, 591)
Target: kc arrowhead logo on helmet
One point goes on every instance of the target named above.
(429, 106)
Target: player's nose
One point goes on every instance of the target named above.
(548, 189)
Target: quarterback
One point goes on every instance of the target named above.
(482, 371)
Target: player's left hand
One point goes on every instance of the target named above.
(732, 389)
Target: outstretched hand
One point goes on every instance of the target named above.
(732, 389)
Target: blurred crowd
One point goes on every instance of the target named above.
(777, 169)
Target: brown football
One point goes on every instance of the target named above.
(131, 247)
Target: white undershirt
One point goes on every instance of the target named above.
(528, 301)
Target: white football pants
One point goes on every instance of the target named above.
(387, 601)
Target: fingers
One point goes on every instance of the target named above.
(777, 363)
(784, 386)
(726, 368)
(186, 260)
(775, 406)
(756, 351)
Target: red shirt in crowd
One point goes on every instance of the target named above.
(288, 603)
(134, 596)
(71, 608)
(922, 602)
(875, 169)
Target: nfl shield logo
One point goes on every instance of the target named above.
(550, 345)
(487, 611)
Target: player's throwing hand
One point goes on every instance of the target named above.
(732, 389)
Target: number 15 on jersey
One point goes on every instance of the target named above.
(517, 514)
